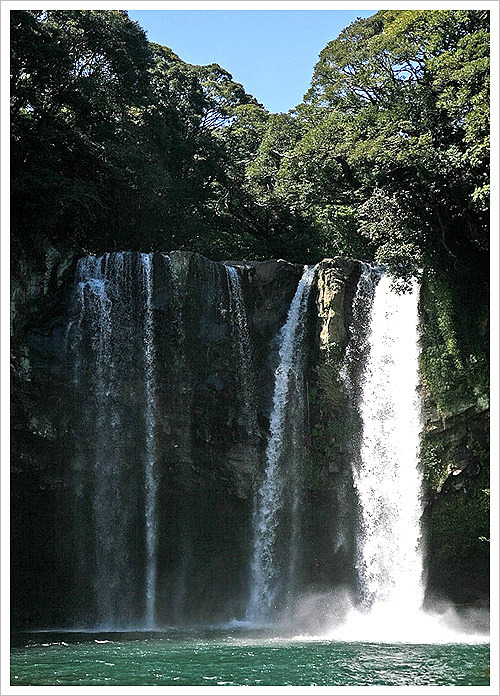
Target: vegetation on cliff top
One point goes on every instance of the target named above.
(386, 158)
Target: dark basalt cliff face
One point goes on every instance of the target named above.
(41, 447)
(456, 470)
(209, 464)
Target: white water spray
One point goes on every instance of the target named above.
(388, 478)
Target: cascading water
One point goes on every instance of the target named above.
(242, 338)
(164, 430)
(151, 484)
(134, 400)
(270, 581)
(92, 340)
(386, 472)
(388, 478)
(111, 344)
(380, 372)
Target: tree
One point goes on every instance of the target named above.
(405, 93)
(75, 76)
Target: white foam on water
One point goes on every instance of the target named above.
(385, 624)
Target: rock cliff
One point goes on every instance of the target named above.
(210, 437)
(456, 472)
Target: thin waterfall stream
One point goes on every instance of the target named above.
(244, 351)
(266, 578)
(151, 475)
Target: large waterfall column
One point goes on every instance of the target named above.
(388, 479)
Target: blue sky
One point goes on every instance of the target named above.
(272, 53)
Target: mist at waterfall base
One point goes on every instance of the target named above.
(283, 633)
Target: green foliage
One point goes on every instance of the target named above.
(435, 468)
(121, 144)
(116, 143)
(74, 75)
(454, 347)
(459, 521)
(388, 123)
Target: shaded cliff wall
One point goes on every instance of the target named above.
(455, 456)
(40, 444)
(209, 464)
(332, 425)
(455, 441)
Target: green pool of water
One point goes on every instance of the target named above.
(238, 658)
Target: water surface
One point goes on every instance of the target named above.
(235, 658)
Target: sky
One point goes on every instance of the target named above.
(272, 53)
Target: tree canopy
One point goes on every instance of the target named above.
(388, 154)
(115, 142)
(117, 139)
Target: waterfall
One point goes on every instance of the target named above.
(164, 449)
(350, 375)
(111, 347)
(388, 478)
(239, 323)
(386, 472)
(101, 293)
(270, 582)
(151, 484)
